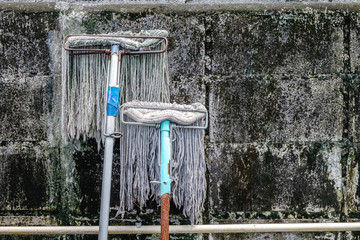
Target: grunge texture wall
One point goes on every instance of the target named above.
(281, 83)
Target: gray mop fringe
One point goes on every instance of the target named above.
(139, 149)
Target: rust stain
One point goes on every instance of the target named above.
(165, 208)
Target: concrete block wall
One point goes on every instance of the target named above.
(281, 84)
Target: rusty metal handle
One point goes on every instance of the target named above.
(165, 209)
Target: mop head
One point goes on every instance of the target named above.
(148, 112)
(142, 77)
(140, 163)
(134, 44)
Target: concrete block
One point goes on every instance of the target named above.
(88, 163)
(43, 220)
(23, 42)
(250, 108)
(187, 89)
(293, 42)
(351, 158)
(354, 105)
(23, 177)
(294, 180)
(354, 48)
(23, 108)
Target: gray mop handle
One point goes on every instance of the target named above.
(109, 145)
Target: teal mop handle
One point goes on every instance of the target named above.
(165, 154)
(165, 181)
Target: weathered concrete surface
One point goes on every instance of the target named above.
(272, 42)
(299, 178)
(23, 107)
(25, 85)
(276, 108)
(187, 1)
(188, 89)
(354, 57)
(23, 180)
(23, 49)
(281, 85)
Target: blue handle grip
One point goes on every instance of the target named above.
(112, 105)
(165, 157)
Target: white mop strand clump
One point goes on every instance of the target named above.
(140, 163)
(157, 112)
(126, 43)
(143, 77)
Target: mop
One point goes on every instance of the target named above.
(180, 139)
(142, 75)
(95, 81)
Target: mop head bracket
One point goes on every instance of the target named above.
(75, 43)
(151, 114)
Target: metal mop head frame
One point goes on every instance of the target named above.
(75, 43)
(139, 123)
(151, 114)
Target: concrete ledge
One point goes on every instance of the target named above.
(161, 7)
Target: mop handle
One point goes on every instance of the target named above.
(111, 113)
(165, 181)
